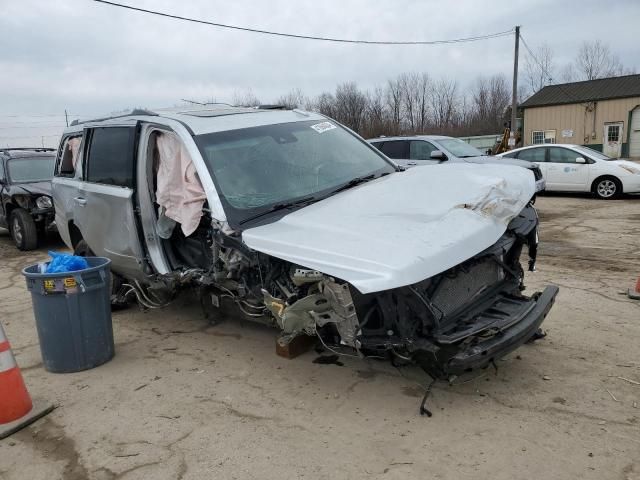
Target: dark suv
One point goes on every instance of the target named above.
(26, 208)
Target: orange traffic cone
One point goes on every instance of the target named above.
(635, 294)
(16, 409)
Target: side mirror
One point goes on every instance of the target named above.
(438, 155)
(580, 160)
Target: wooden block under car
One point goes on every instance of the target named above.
(292, 347)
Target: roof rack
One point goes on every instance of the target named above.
(135, 111)
(272, 107)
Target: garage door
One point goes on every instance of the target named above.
(634, 138)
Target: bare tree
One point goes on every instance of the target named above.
(415, 100)
(350, 104)
(443, 99)
(539, 71)
(245, 99)
(490, 99)
(294, 99)
(595, 60)
(325, 104)
(376, 115)
(393, 100)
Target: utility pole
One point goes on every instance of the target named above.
(514, 96)
(66, 117)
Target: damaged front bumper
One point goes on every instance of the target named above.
(512, 330)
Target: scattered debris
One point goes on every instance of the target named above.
(125, 455)
(546, 377)
(560, 400)
(140, 387)
(612, 396)
(423, 409)
(628, 380)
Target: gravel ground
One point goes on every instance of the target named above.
(185, 400)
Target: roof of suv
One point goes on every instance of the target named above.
(206, 120)
(26, 152)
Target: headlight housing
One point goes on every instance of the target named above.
(43, 202)
(633, 170)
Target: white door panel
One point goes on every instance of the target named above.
(564, 173)
(612, 140)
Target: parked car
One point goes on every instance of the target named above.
(300, 224)
(412, 151)
(26, 208)
(574, 168)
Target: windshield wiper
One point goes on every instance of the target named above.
(301, 202)
(353, 182)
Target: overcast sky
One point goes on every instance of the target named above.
(92, 58)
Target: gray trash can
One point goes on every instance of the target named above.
(73, 316)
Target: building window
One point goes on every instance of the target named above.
(613, 133)
(543, 136)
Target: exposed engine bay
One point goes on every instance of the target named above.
(447, 324)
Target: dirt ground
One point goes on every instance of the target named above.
(185, 400)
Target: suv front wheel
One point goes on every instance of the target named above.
(23, 230)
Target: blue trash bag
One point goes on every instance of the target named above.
(63, 262)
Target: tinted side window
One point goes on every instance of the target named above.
(395, 149)
(1, 169)
(511, 155)
(420, 150)
(532, 155)
(111, 156)
(562, 155)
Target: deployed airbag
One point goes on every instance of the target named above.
(179, 190)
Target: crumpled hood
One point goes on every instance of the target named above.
(36, 188)
(402, 228)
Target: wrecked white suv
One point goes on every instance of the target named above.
(299, 223)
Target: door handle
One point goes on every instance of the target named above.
(80, 201)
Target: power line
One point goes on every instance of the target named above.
(308, 37)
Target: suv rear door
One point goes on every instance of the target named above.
(103, 208)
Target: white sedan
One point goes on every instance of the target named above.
(574, 168)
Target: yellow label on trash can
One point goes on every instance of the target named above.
(60, 285)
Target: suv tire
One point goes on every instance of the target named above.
(82, 250)
(23, 230)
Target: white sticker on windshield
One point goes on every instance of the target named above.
(323, 127)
